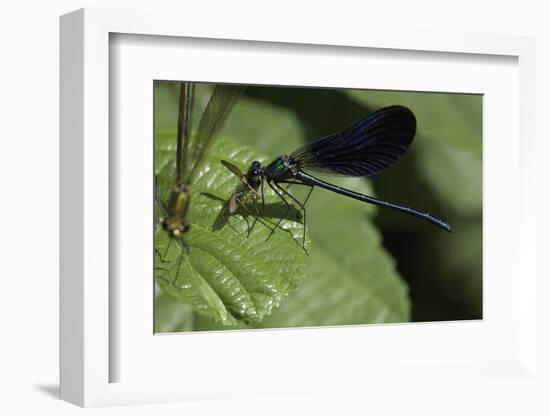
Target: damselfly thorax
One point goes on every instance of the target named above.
(175, 222)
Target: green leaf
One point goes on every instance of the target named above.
(171, 315)
(225, 275)
(350, 278)
(441, 173)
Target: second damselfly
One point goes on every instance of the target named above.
(191, 149)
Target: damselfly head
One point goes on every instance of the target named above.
(254, 169)
(175, 226)
(182, 188)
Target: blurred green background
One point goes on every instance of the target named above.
(441, 173)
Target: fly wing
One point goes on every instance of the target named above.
(366, 148)
(219, 106)
(234, 169)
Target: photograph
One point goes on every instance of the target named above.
(286, 207)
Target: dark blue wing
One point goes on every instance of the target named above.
(366, 148)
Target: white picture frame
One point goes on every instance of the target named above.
(90, 369)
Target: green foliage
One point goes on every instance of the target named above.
(348, 278)
(351, 279)
(442, 173)
(171, 315)
(223, 274)
(229, 281)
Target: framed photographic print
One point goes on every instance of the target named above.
(271, 214)
(244, 235)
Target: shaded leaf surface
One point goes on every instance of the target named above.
(442, 174)
(351, 279)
